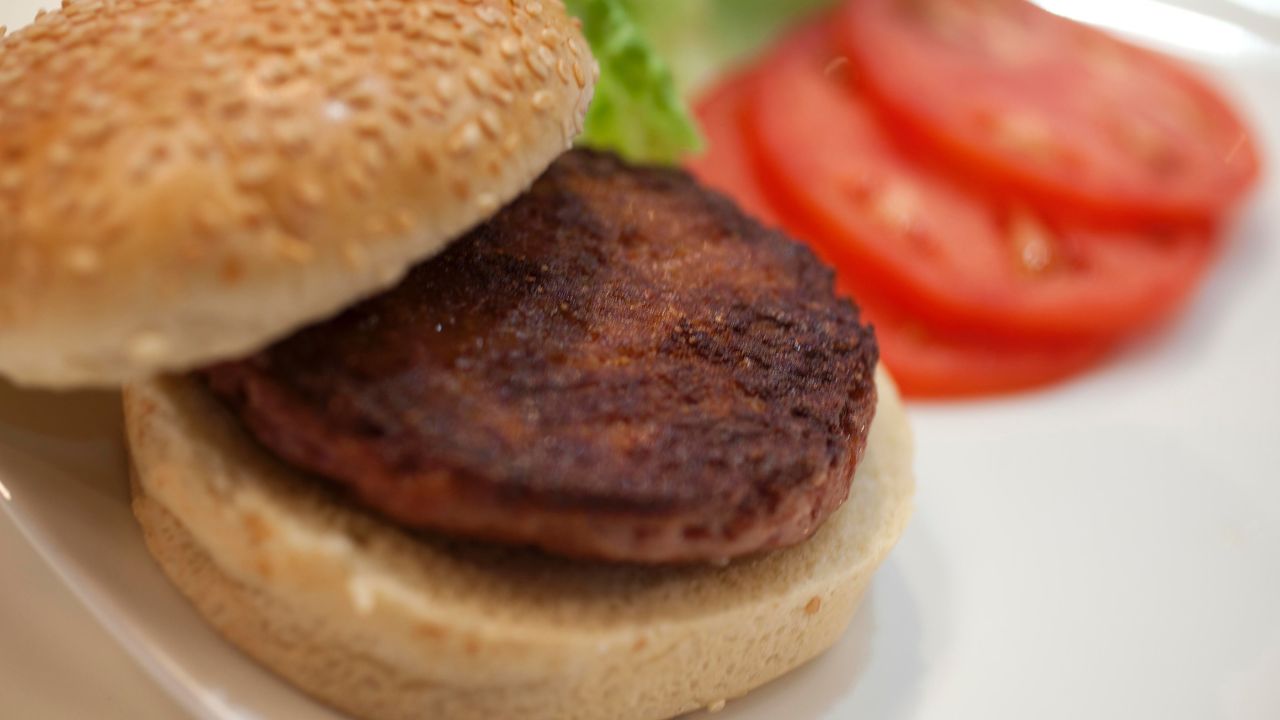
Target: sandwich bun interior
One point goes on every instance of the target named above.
(187, 181)
(386, 625)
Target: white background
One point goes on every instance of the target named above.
(1107, 549)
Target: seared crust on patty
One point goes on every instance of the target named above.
(621, 365)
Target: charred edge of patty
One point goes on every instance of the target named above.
(749, 394)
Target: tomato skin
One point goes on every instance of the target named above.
(953, 318)
(930, 364)
(1060, 115)
(925, 364)
(725, 164)
(898, 228)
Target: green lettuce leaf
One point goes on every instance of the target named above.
(638, 111)
(701, 39)
(655, 53)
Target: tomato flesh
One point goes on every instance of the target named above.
(941, 253)
(929, 364)
(1057, 113)
(725, 164)
(924, 363)
(982, 273)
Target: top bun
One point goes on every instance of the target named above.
(183, 181)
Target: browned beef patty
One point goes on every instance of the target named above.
(620, 365)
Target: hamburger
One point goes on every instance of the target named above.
(429, 413)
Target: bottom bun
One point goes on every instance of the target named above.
(386, 625)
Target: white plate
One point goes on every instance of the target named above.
(1107, 549)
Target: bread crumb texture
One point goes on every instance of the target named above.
(180, 179)
(387, 625)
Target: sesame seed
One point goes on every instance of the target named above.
(256, 171)
(309, 192)
(478, 79)
(336, 110)
(375, 226)
(249, 136)
(401, 114)
(83, 260)
(10, 178)
(369, 125)
(354, 256)
(472, 38)
(487, 203)
(465, 139)
(439, 35)
(399, 66)
(545, 55)
(430, 108)
(209, 218)
(356, 182)
(148, 347)
(403, 220)
(490, 122)
(535, 66)
(292, 136)
(489, 15)
(292, 249)
(360, 44)
(426, 158)
(60, 154)
(446, 88)
(252, 213)
(260, 92)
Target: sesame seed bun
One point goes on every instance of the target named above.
(182, 182)
(385, 626)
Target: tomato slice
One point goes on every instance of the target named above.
(1056, 112)
(929, 364)
(725, 164)
(924, 363)
(942, 254)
